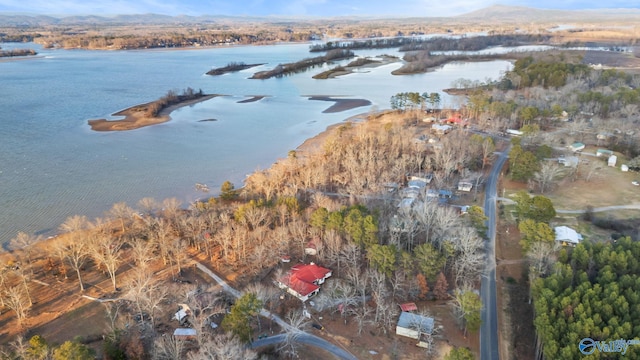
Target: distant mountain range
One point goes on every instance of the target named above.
(498, 13)
(523, 14)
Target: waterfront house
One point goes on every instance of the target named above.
(303, 280)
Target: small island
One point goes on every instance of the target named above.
(17, 52)
(350, 68)
(152, 113)
(302, 65)
(231, 67)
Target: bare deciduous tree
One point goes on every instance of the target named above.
(25, 242)
(16, 299)
(105, 251)
(148, 205)
(289, 347)
(121, 212)
(75, 252)
(168, 347)
(548, 174)
(147, 293)
(223, 347)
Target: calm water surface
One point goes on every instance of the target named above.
(53, 166)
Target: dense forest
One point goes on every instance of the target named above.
(593, 292)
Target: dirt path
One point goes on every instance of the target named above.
(602, 209)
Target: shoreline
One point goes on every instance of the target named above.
(315, 142)
(134, 119)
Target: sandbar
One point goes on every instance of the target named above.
(341, 104)
(252, 99)
(135, 117)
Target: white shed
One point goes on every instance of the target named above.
(612, 160)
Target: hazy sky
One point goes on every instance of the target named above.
(289, 7)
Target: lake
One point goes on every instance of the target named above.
(52, 165)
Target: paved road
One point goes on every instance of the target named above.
(302, 337)
(489, 314)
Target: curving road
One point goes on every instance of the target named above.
(301, 337)
(489, 314)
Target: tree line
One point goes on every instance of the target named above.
(171, 98)
(17, 52)
(415, 43)
(302, 65)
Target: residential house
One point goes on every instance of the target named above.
(422, 177)
(576, 146)
(567, 236)
(414, 326)
(569, 161)
(303, 280)
(603, 152)
(465, 186)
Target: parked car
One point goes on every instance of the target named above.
(636, 183)
(317, 326)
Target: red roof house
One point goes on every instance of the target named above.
(303, 280)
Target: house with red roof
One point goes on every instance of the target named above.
(303, 280)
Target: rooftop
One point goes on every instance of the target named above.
(414, 321)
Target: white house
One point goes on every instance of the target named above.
(576, 146)
(566, 235)
(465, 186)
(413, 325)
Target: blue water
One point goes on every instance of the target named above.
(52, 165)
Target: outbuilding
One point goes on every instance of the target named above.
(185, 334)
